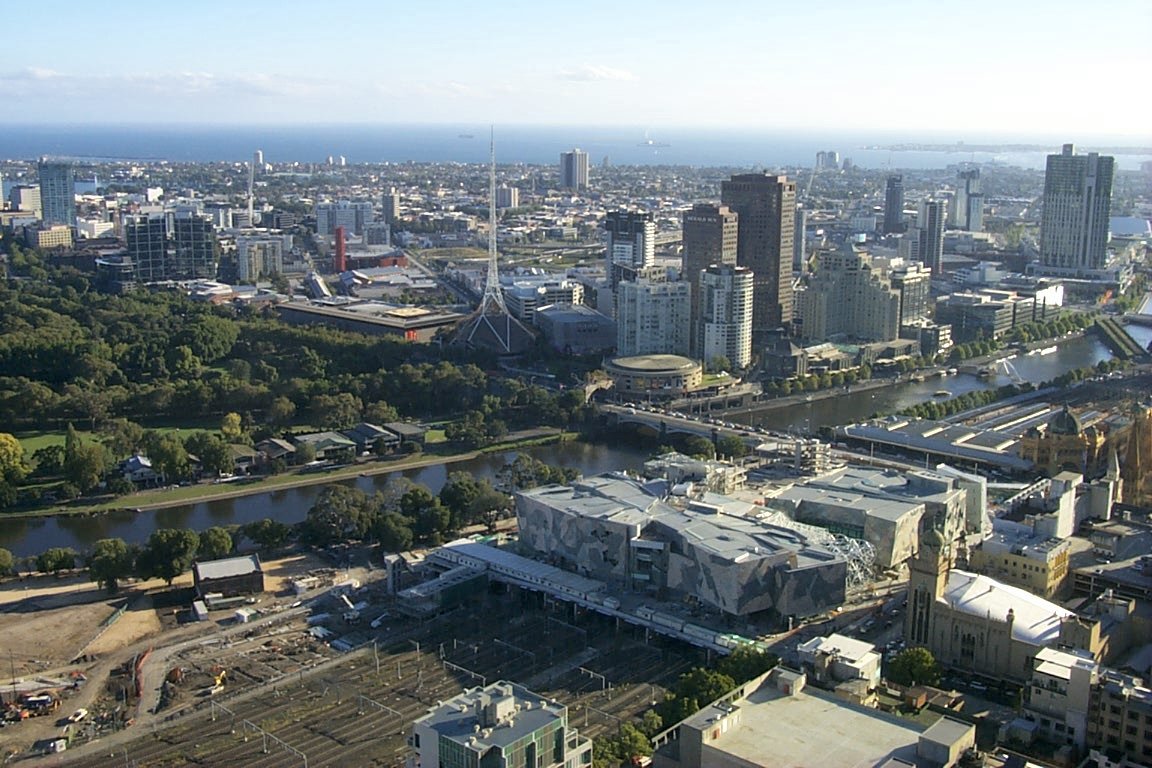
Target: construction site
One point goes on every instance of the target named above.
(275, 698)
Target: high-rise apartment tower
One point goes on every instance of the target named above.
(574, 169)
(766, 206)
(1077, 204)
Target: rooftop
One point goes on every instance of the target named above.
(494, 716)
(232, 566)
(1036, 620)
(810, 729)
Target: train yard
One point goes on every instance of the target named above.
(357, 708)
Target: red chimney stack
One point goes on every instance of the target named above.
(341, 261)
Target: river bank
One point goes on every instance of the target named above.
(164, 498)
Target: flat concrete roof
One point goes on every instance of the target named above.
(655, 364)
(948, 731)
(815, 729)
(232, 566)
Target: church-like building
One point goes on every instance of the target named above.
(975, 624)
(1064, 444)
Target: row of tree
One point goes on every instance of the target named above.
(402, 514)
(168, 553)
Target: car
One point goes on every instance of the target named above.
(78, 715)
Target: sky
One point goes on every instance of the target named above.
(1036, 68)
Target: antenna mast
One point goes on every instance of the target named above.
(251, 184)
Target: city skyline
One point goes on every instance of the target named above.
(640, 64)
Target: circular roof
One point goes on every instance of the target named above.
(656, 364)
(1065, 423)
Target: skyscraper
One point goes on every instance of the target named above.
(710, 235)
(391, 203)
(930, 233)
(194, 246)
(766, 206)
(850, 296)
(574, 169)
(147, 240)
(57, 192)
(800, 241)
(725, 314)
(1077, 204)
(631, 244)
(894, 205)
(352, 216)
(967, 211)
(653, 317)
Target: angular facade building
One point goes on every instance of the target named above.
(1077, 205)
(615, 530)
(766, 206)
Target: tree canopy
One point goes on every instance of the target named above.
(913, 666)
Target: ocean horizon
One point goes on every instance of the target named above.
(463, 143)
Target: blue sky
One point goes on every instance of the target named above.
(1005, 67)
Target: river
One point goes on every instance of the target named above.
(33, 535)
(857, 406)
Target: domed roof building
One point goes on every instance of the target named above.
(1064, 444)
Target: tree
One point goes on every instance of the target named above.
(701, 447)
(55, 560)
(215, 455)
(393, 532)
(49, 461)
(380, 412)
(339, 411)
(280, 412)
(731, 446)
(305, 453)
(168, 553)
(110, 562)
(13, 468)
(340, 513)
(745, 663)
(168, 455)
(267, 534)
(123, 437)
(6, 562)
(230, 426)
(458, 493)
(215, 543)
(84, 462)
(913, 666)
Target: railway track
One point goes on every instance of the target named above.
(321, 713)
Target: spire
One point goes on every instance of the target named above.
(492, 325)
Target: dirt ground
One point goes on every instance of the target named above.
(46, 622)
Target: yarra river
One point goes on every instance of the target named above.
(32, 535)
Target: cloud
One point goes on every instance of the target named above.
(33, 81)
(588, 73)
